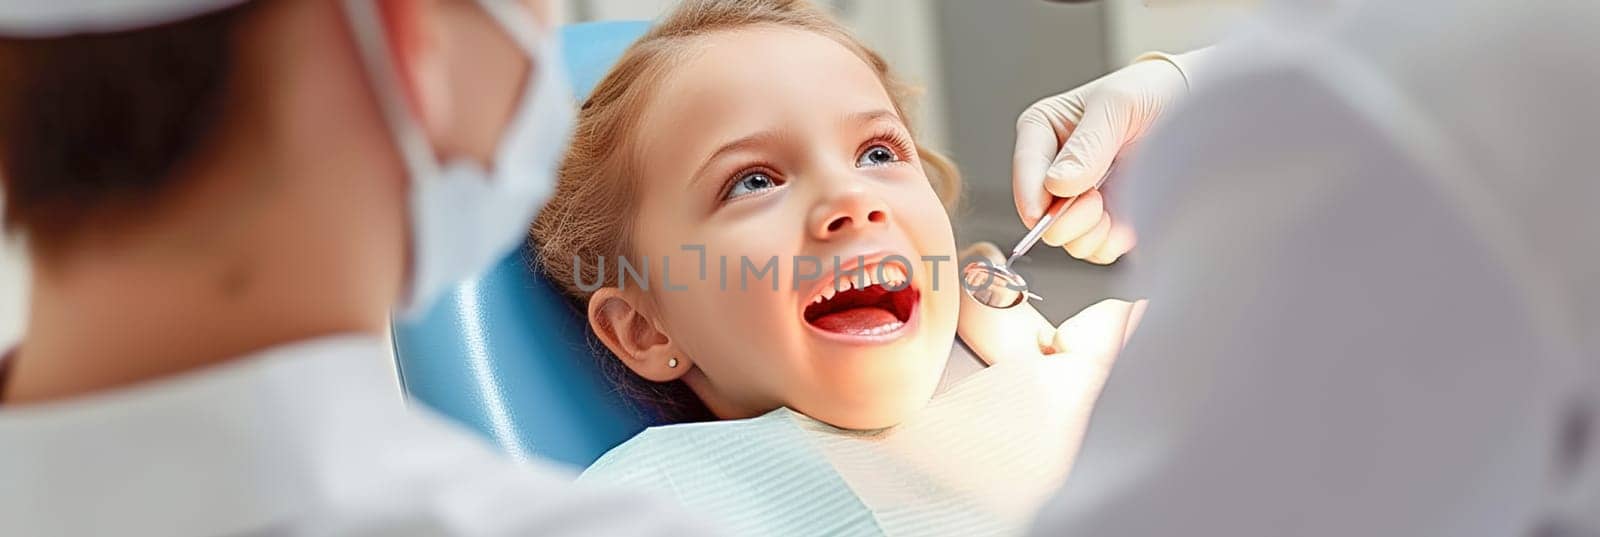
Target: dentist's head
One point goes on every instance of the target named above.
(263, 171)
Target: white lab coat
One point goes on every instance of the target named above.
(1370, 247)
(304, 439)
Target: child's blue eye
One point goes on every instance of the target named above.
(876, 155)
(751, 183)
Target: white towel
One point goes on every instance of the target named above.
(978, 460)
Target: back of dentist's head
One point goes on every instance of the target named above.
(291, 153)
(590, 215)
(94, 127)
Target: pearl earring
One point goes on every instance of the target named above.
(672, 362)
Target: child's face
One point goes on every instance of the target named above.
(781, 143)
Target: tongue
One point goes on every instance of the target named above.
(858, 320)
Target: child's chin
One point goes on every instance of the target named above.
(877, 387)
(865, 421)
(880, 411)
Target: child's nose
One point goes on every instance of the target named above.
(846, 213)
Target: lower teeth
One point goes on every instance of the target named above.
(882, 329)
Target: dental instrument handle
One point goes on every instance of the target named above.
(1057, 208)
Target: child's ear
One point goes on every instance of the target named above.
(635, 337)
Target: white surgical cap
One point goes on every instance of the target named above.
(56, 18)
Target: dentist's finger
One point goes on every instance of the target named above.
(1040, 133)
(1098, 332)
(1047, 340)
(1086, 245)
(1089, 151)
(1119, 241)
(998, 334)
(1079, 219)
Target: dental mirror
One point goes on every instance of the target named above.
(996, 286)
(999, 286)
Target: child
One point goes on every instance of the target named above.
(805, 290)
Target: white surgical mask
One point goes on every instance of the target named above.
(465, 216)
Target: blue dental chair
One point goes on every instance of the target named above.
(506, 354)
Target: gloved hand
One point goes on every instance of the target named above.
(1092, 339)
(1066, 143)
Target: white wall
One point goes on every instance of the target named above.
(1138, 26)
(13, 292)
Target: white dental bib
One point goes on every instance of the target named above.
(978, 460)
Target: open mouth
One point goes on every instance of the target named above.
(876, 302)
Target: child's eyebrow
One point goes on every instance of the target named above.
(872, 116)
(769, 137)
(766, 137)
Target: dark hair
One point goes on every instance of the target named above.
(93, 127)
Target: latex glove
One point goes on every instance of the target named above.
(1066, 143)
(1092, 338)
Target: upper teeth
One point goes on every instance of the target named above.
(891, 276)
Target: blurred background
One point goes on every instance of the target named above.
(980, 62)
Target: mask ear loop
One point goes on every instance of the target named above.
(538, 46)
(415, 150)
(422, 166)
(517, 23)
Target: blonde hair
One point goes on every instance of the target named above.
(588, 216)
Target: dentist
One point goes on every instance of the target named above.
(1372, 256)
(224, 200)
